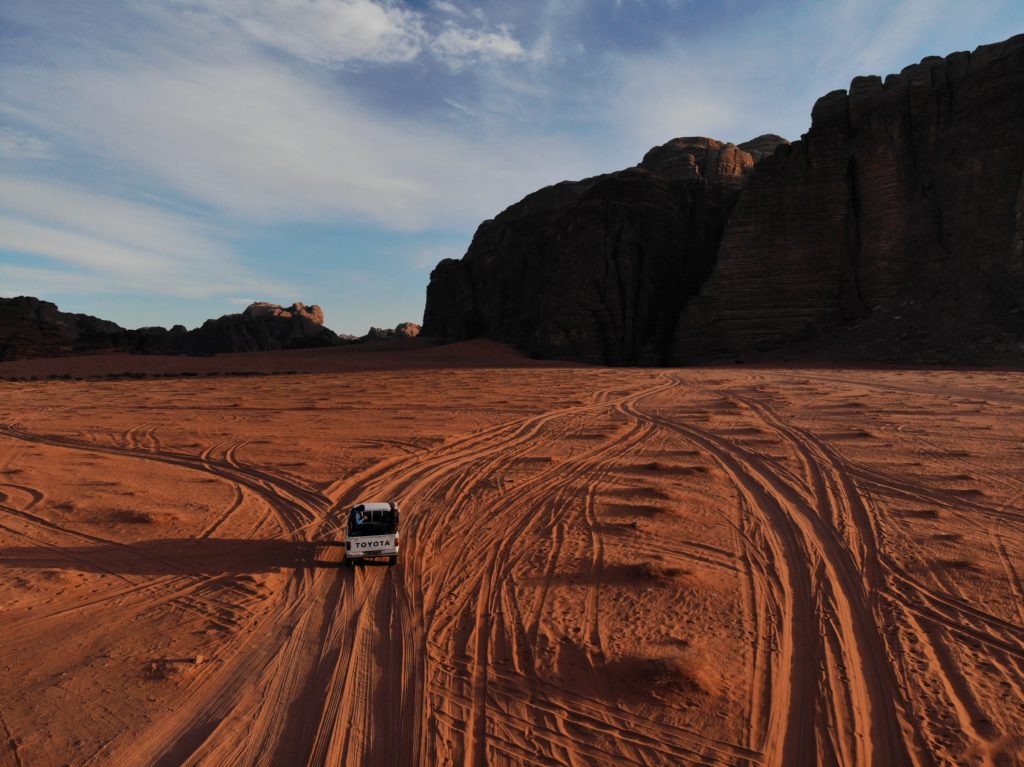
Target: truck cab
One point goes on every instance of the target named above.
(372, 531)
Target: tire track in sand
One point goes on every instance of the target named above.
(812, 555)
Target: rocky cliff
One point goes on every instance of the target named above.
(893, 230)
(33, 328)
(596, 270)
(899, 211)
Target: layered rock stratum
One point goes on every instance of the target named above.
(893, 230)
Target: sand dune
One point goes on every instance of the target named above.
(737, 566)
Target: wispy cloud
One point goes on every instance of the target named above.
(42, 281)
(17, 145)
(458, 45)
(253, 139)
(443, 6)
(115, 243)
(325, 31)
(340, 32)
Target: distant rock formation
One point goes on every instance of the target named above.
(899, 210)
(596, 270)
(33, 328)
(897, 219)
(402, 330)
(762, 146)
(262, 327)
(263, 310)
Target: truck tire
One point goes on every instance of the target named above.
(347, 561)
(392, 559)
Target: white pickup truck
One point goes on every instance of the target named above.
(372, 531)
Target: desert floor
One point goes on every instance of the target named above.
(737, 565)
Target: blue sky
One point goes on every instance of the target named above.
(169, 161)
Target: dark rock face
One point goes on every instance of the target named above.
(402, 330)
(33, 328)
(262, 327)
(595, 270)
(898, 219)
(902, 204)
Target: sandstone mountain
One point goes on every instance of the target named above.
(262, 327)
(900, 209)
(894, 229)
(596, 270)
(33, 328)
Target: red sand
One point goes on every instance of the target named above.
(600, 567)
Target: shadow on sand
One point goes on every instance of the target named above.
(176, 556)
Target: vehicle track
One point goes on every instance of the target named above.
(450, 657)
(867, 730)
(359, 653)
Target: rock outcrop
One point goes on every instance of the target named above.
(901, 209)
(262, 327)
(33, 328)
(897, 219)
(595, 270)
(402, 330)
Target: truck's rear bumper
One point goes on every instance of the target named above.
(371, 554)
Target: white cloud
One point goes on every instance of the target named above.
(457, 45)
(17, 145)
(131, 224)
(443, 6)
(104, 241)
(43, 282)
(327, 31)
(255, 140)
(339, 32)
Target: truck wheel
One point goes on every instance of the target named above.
(347, 561)
(392, 559)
